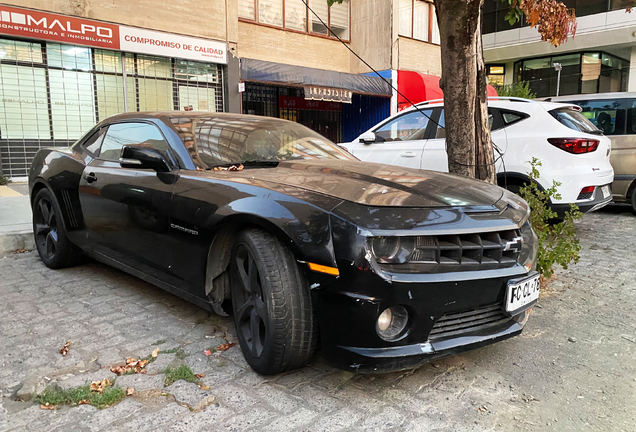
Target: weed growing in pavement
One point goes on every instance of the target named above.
(3, 180)
(159, 342)
(179, 352)
(182, 372)
(557, 241)
(55, 396)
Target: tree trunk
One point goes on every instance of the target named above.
(470, 152)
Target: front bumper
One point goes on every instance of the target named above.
(348, 310)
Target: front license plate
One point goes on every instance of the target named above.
(606, 191)
(522, 293)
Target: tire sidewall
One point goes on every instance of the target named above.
(62, 242)
(263, 360)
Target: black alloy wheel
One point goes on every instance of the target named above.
(54, 248)
(273, 314)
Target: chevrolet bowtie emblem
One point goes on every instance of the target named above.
(514, 245)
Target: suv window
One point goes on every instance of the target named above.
(607, 115)
(93, 144)
(574, 120)
(408, 127)
(132, 134)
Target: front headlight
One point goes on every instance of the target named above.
(392, 250)
(530, 248)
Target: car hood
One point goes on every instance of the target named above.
(379, 185)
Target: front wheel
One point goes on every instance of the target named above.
(271, 301)
(54, 248)
(633, 200)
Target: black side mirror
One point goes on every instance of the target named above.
(141, 158)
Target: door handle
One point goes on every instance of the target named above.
(407, 154)
(90, 177)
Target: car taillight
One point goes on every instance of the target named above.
(575, 145)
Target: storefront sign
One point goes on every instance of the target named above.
(327, 94)
(293, 102)
(79, 31)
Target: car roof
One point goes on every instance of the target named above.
(513, 103)
(593, 96)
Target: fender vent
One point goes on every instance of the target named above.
(68, 206)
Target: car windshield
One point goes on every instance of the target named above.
(574, 120)
(216, 140)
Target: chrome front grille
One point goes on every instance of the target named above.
(467, 322)
(464, 252)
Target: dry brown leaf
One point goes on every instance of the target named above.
(225, 346)
(142, 363)
(200, 376)
(131, 360)
(84, 402)
(130, 391)
(98, 386)
(155, 353)
(47, 406)
(205, 387)
(132, 364)
(64, 349)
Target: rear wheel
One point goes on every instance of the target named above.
(272, 304)
(55, 250)
(633, 200)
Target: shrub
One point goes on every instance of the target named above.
(521, 90)
(558, 243)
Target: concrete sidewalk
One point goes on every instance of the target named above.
(16, 231)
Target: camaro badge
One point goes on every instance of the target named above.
(185, 230)
(514, 245)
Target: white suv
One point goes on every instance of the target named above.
(571, 149)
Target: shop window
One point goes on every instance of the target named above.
(69, 57)
(132, 134)
(155, 95)
(339, 19)
(296, 15)
(197, 98)
(108, 61)
(110, 95)
(195, 71)
(24, 108)
(72, 103)
(321, 9)
(159, 67)
(415, 20)
(20, 51)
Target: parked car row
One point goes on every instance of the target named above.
(572, 151)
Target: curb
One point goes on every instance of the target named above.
(15, 241)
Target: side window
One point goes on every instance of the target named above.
(408, 127)
(607, 115)
(132, 134)
(93, 144)
(510, 117)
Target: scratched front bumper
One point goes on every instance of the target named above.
(348, 309)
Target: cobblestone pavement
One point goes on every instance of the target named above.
(573, 369)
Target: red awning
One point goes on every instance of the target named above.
(418, 87)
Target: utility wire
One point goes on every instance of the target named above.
(401, 94)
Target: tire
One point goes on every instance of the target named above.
(54, 247)
(633, 201)
(273, 314)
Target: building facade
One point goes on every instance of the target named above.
(66, 65)
(600, 58)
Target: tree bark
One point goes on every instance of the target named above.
(470, 151)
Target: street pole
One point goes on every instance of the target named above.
(557, 67)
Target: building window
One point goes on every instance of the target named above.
(417, 20)
(495, 74)
(295, 15)
(589, 72)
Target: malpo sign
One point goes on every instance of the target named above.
(78, 31)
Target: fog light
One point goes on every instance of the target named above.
(392, 323)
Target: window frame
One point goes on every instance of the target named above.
(308, 26)
(431, 17)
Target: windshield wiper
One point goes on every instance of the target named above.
(265, 163)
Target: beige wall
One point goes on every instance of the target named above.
(279, 46)
(371, 34)
(188, 17)
(418, 56)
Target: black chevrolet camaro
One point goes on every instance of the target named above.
(388, 267)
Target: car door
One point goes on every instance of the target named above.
(435, 157)
(125, 210)
(398, 142)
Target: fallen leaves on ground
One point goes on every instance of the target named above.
(204, 387)
(155, 353)
(48, 406)
(130, 391)
(99, 386)
(200, 376)
(64, 349)
(225, 346)
(207, 352)
(132, 364)
(84, 402)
